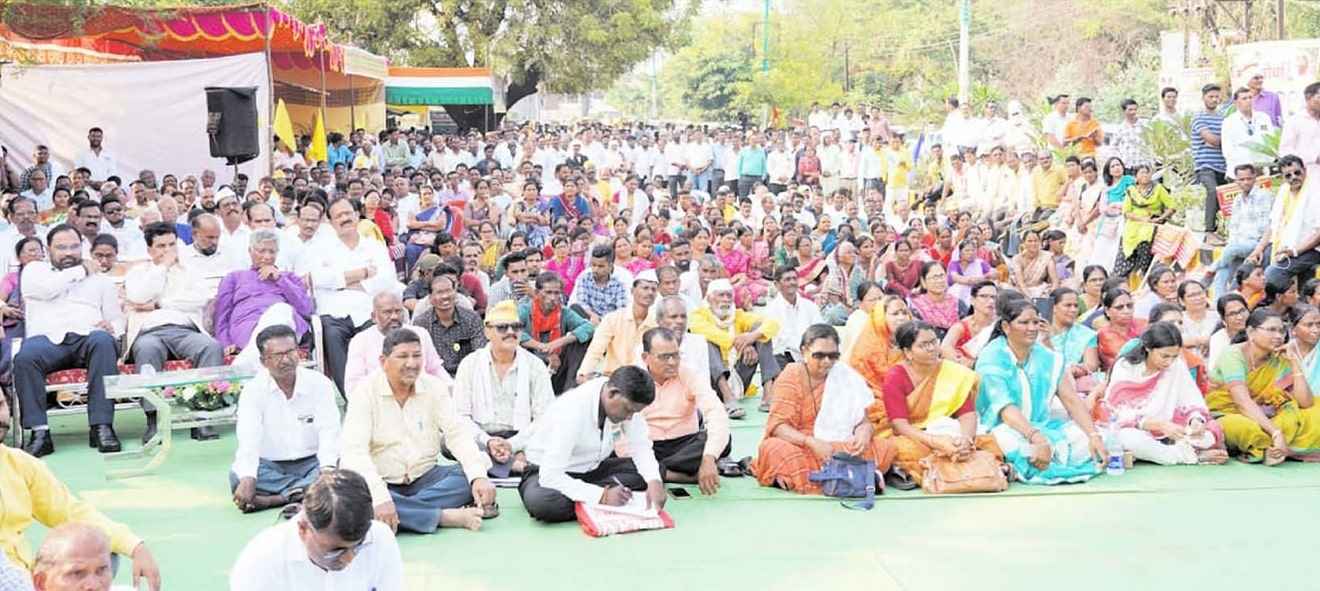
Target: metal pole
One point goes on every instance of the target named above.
(352, 107)
(765, 39)
(270, 90)
(964, 51)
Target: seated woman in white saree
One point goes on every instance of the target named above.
(1019, 378)
(1154, 402)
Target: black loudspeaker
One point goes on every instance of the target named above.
(231, 123)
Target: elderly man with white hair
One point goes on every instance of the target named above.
(742, 339)
(259, 296)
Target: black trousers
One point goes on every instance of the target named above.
(683, 454)
(338, 332)
(746, 184)
(551, 506)
(570, 359)
(38, 357)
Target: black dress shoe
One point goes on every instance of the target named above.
(40, 443)
(204, 433)
(103, 438)
(151, 428)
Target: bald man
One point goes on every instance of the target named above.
(74, 557)
(364, 349)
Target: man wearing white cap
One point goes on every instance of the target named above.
(741, 338)
(615, 341)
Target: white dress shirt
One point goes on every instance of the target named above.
(568, 440)
(60, 303)
(779, 167)
(132, 243)
(209, 269)
(333, 296)
(102, 165)
(1239, 134)
(272, 426)
(276, 560)
(793, 321)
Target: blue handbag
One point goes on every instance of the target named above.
(846, 476)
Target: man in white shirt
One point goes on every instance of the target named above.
(1054, 123)
(22, 224)
(675, 164)
(332, 545)
(571, 450)
(288, 427)
(347, 272)
(167, 305)
(41, 190)
(204, 257)
(96, 158)
(794, 314)
(700, 159)
(1242, 128)
(1294, 225)
(780, 168)
(73, 315)
(1168, 106)
(132, 243)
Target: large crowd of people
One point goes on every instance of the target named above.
(583, 308)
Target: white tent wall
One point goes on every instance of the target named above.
(153, 113)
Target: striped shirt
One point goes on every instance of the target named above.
(1203, 154)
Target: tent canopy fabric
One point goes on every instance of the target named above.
(439, 86)
(179, 33)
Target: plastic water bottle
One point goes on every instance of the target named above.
(1113, 451)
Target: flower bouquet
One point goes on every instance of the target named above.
(206, 396)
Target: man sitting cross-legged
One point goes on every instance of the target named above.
(502, 388)
(686, 452)
(570, 450)
(393, 431)
(288, 426)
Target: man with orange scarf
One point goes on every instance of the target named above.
(557, 335)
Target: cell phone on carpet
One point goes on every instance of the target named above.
(679, 493)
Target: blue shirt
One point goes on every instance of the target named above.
(601, 299)
(1203, 154)
(338, 154)
(557, 210)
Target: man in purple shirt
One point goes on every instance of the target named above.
(252, 299)
(1263, 100)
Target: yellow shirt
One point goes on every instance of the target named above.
(30, 492)
(702, 322)
(1048, 185)
(896, 165)
(615, 342)
(391, 444)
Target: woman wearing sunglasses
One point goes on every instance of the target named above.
(820, 408)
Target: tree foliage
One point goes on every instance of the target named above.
(902, 54)
(568, 47)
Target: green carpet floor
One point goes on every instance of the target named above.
(1214, 527)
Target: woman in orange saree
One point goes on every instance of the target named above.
(874, 352)
(819, 409)
(930, 405)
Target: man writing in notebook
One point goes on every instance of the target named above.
(570, 449)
